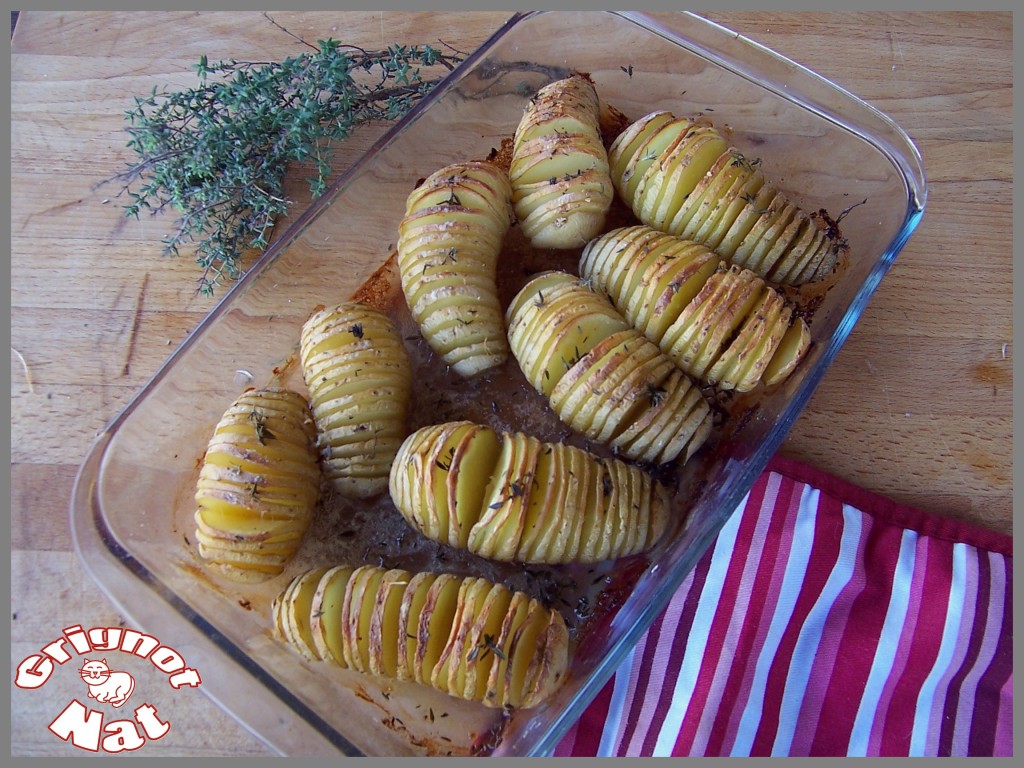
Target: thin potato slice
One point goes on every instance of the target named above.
(325, 613)
(448, 674)
(409, 613)
(790, 352)
(297, 613)
(362, 595)
(385, 624)
(437, 618)
(498, 531)
(515, 615)
(482, 646)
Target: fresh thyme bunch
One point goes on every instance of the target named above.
(218, 153)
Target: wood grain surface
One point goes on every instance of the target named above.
(917, 406)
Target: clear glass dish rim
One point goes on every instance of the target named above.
(86, 522)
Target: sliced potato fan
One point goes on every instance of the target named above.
(359, 380)
(723, 325)
(448, 247)
(466, 636)
(258, 485)
(682, 177)
(511, 497)
(559, 168)
(603, 377)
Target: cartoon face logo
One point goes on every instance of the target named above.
(106, 686)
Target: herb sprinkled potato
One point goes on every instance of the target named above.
(258, 485)
(359, 379)
(682, 177)
(559, 169)
(723, 325)
(511, 497)
(602, 376)
(448, 247)
(466, 636)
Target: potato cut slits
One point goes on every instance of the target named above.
(594, 393)
(517, 499)
(258, 485)
(720, 324)
(462, 635)
(437, 617)
(483, 641)
(791, 350)
(561, 187)
(357, 615)
(297, 611)
(409, 612)
(683, 178)
(448, 246)
(385, 623)
(450, 673)
(359, 378)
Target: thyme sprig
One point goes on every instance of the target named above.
(218, 153)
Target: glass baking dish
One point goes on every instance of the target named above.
(132, 503)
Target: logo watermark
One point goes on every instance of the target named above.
(107, 685)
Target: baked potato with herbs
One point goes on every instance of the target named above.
(359, 379)
(511, 497)
(559, 168)
(466, 636)
(258, 485)
(682, 177)
(448, 246)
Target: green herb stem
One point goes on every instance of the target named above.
(219, 153)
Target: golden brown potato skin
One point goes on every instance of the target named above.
(465, 636)
(513, 498)
(258, 485)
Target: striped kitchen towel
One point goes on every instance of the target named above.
(824, 621)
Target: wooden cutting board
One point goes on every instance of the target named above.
(917, 405)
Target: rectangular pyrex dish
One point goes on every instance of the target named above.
(131, 507)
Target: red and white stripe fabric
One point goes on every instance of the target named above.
(825, 621)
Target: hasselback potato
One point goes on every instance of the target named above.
(258, 485)
(683, 178)
(723, 325)
(511, 497)
(559, 168)
(603, 377)
(466, 636)
(448, 247)
(359, 379)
